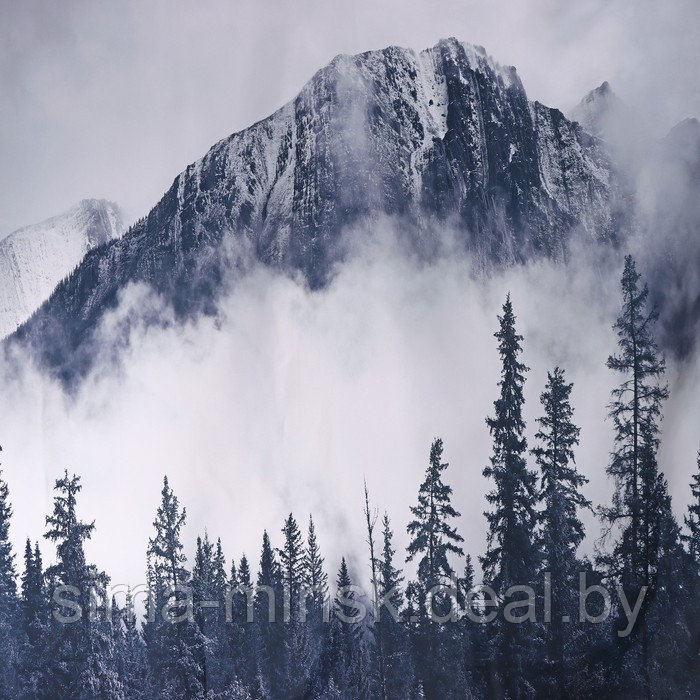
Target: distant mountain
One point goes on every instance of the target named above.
(444, 136)
(600, 111)
(34, 259)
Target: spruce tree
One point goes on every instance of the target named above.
(296, 660)
(291, 557)
(132, 653)
(9, 603)
(691, 538)
(635, 517)
(317, 602)
(692, 518)
(561, 528)
(221, 673)
(473, 647)
(175, 640)
(348, 653)
(209, 589)
(269, 614)
(432, 535)
(511, 557)
(83, 662)
(241, 631)
(315, 578)
(398, 665)
(433, 538)
(35, 624)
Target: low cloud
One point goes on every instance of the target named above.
(289, 398)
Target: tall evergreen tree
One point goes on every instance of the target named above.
(175, 641)
(473, 647)
(635, 516)
(291, 557)
(562, 530)
(348, 654)
(241, 631)
(269, 613)
(317, 602)
(511, 557)
(297, 662)
(133, 664)
(209, 585)
(398, 665)
(433, 538)
(692, 519)
(9, 603)
(82, 659)
(35, 625)
(432, 535)
(691, 538)
(315, 578)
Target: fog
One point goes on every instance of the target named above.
(289, 399)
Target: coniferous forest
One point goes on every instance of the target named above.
(544, 622)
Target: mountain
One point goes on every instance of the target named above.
(442, 137)
(34, 259)
(600, 111)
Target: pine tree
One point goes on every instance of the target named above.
(175, 642)
(668, 633)
(433, 538)
(635, 513)
(315, 578)
(472, 642)
(296, 660)
(83, 662)
(35, 624)
(208, 583)
(221, 673)
(241, 631)
(269, 613)
(511, 556)
(692, 519)
(398, 666)
(292, 566)
(132, 654)
(347, 658)
(691, 538)
(562, 530)
(9, 603)
(317, 602)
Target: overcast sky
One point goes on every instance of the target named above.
(114, 99)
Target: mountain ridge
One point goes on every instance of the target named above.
(442, 135)
(35, 258)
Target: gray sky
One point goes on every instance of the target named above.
(113, 99)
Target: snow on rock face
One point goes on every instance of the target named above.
(446, 134)
(601, 111)
(34, 259)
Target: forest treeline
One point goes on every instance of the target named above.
(548, 623)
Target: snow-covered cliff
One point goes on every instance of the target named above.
(444, 135)
(34, 259)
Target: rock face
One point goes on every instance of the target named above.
(600, 111)
(442, 136)
(34, 259)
